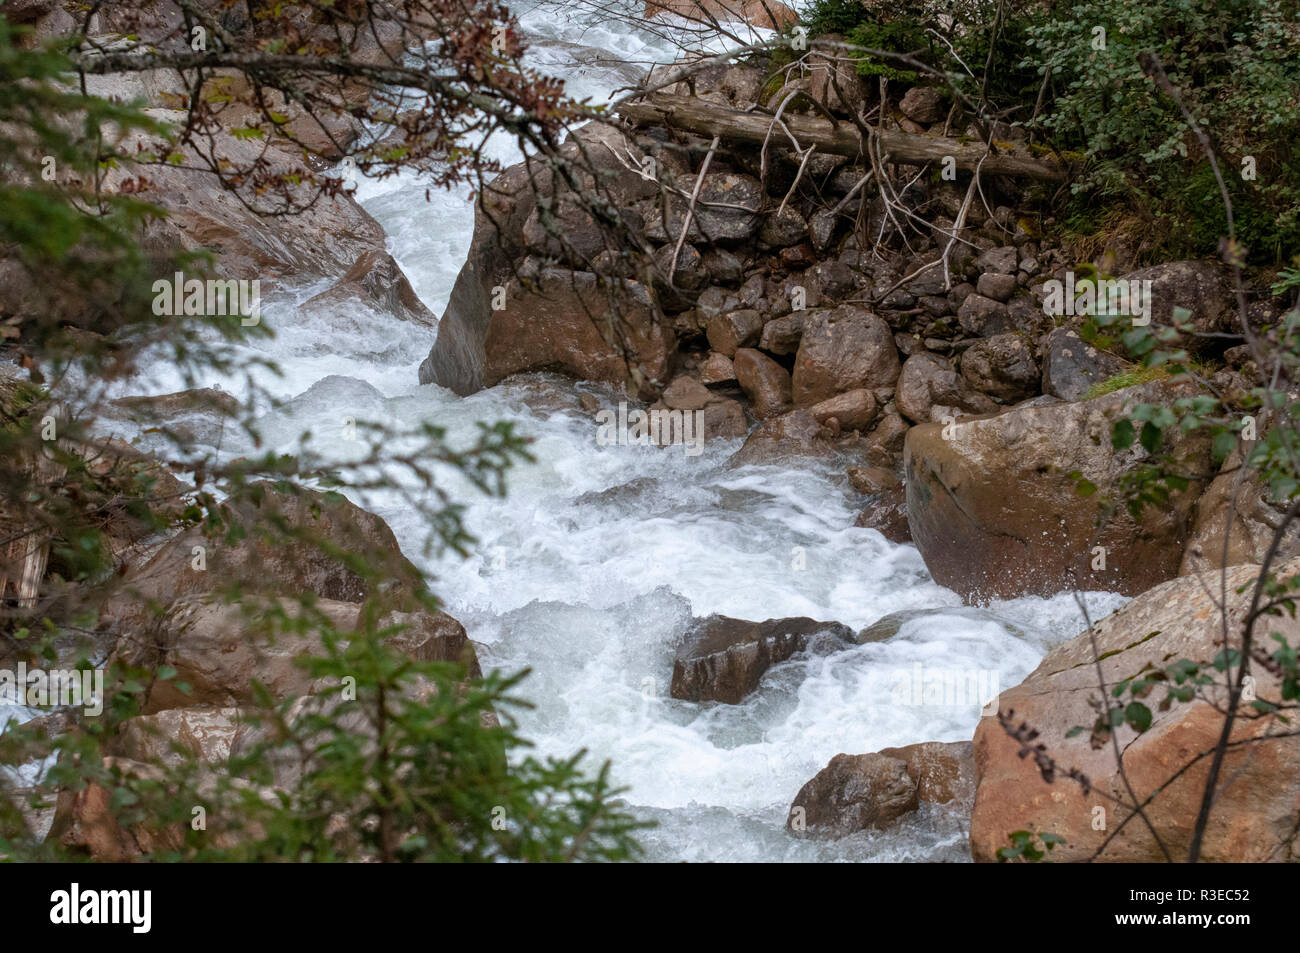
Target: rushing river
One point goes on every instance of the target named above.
(590, 570)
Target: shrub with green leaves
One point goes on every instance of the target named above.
(951, 36)
(1236, 64)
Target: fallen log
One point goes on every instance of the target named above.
(694, 115)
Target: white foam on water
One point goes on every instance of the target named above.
(591, 569)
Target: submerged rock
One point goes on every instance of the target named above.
(861, 792)
(722, 659)
(796, 434)
(888, 515)
(376, 280)
(193, 416)
(853, 793)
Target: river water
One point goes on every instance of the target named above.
(590, 570)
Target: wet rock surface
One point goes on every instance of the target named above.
(723, 659)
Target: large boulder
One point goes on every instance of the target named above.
(841, 350)
(722, 659)
(205, 733)
(557, 321)
(193, 416)
(943, 771)
(1256, 812)
(853, 793)
(556, 324)
(292, 542)
(219, 653)
(860, 792)
(325, 240)
(995, 509)
(86, 820)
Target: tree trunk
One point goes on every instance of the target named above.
(694, 115)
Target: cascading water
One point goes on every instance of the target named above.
(591, 569)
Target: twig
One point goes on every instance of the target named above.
(690, 208)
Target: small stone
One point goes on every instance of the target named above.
(717, 369)
(923, 104)
(738, 329)
(853, 410)
(765, 382)
(782, 229)
(996, 286)
(781, 335)
(751, 292)
(821, 229)
(983, 316)
(724, 418)
(686, 393)
(689, 273)
(1000, 261)
(715, 301)
(798, 256)
(722, 266)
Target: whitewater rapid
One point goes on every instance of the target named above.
(590, 570)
